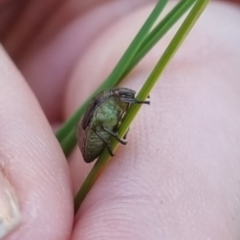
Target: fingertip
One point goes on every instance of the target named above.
(33, 161)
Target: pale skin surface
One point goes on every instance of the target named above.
(178, 177)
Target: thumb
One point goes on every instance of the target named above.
(34, 178)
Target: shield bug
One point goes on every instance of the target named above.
(102, 119)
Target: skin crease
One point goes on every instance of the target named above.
(178, 176)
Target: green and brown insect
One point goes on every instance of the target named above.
(102, 120)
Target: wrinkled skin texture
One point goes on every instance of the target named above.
(178, 177)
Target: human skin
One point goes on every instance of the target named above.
(177, 178)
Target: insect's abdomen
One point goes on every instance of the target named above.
(94, 145)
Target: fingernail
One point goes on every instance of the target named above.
(9, 207)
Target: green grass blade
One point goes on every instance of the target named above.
(66, 135)
(144, 92)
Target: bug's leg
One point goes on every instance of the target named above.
(114, 134)
(106, 142)
(125, 136)
(134, 101)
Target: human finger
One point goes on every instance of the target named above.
(36, 196)
(178, 177)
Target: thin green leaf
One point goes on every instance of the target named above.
(144, 92)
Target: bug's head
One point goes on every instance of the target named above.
(124, 94)
(127, 96)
